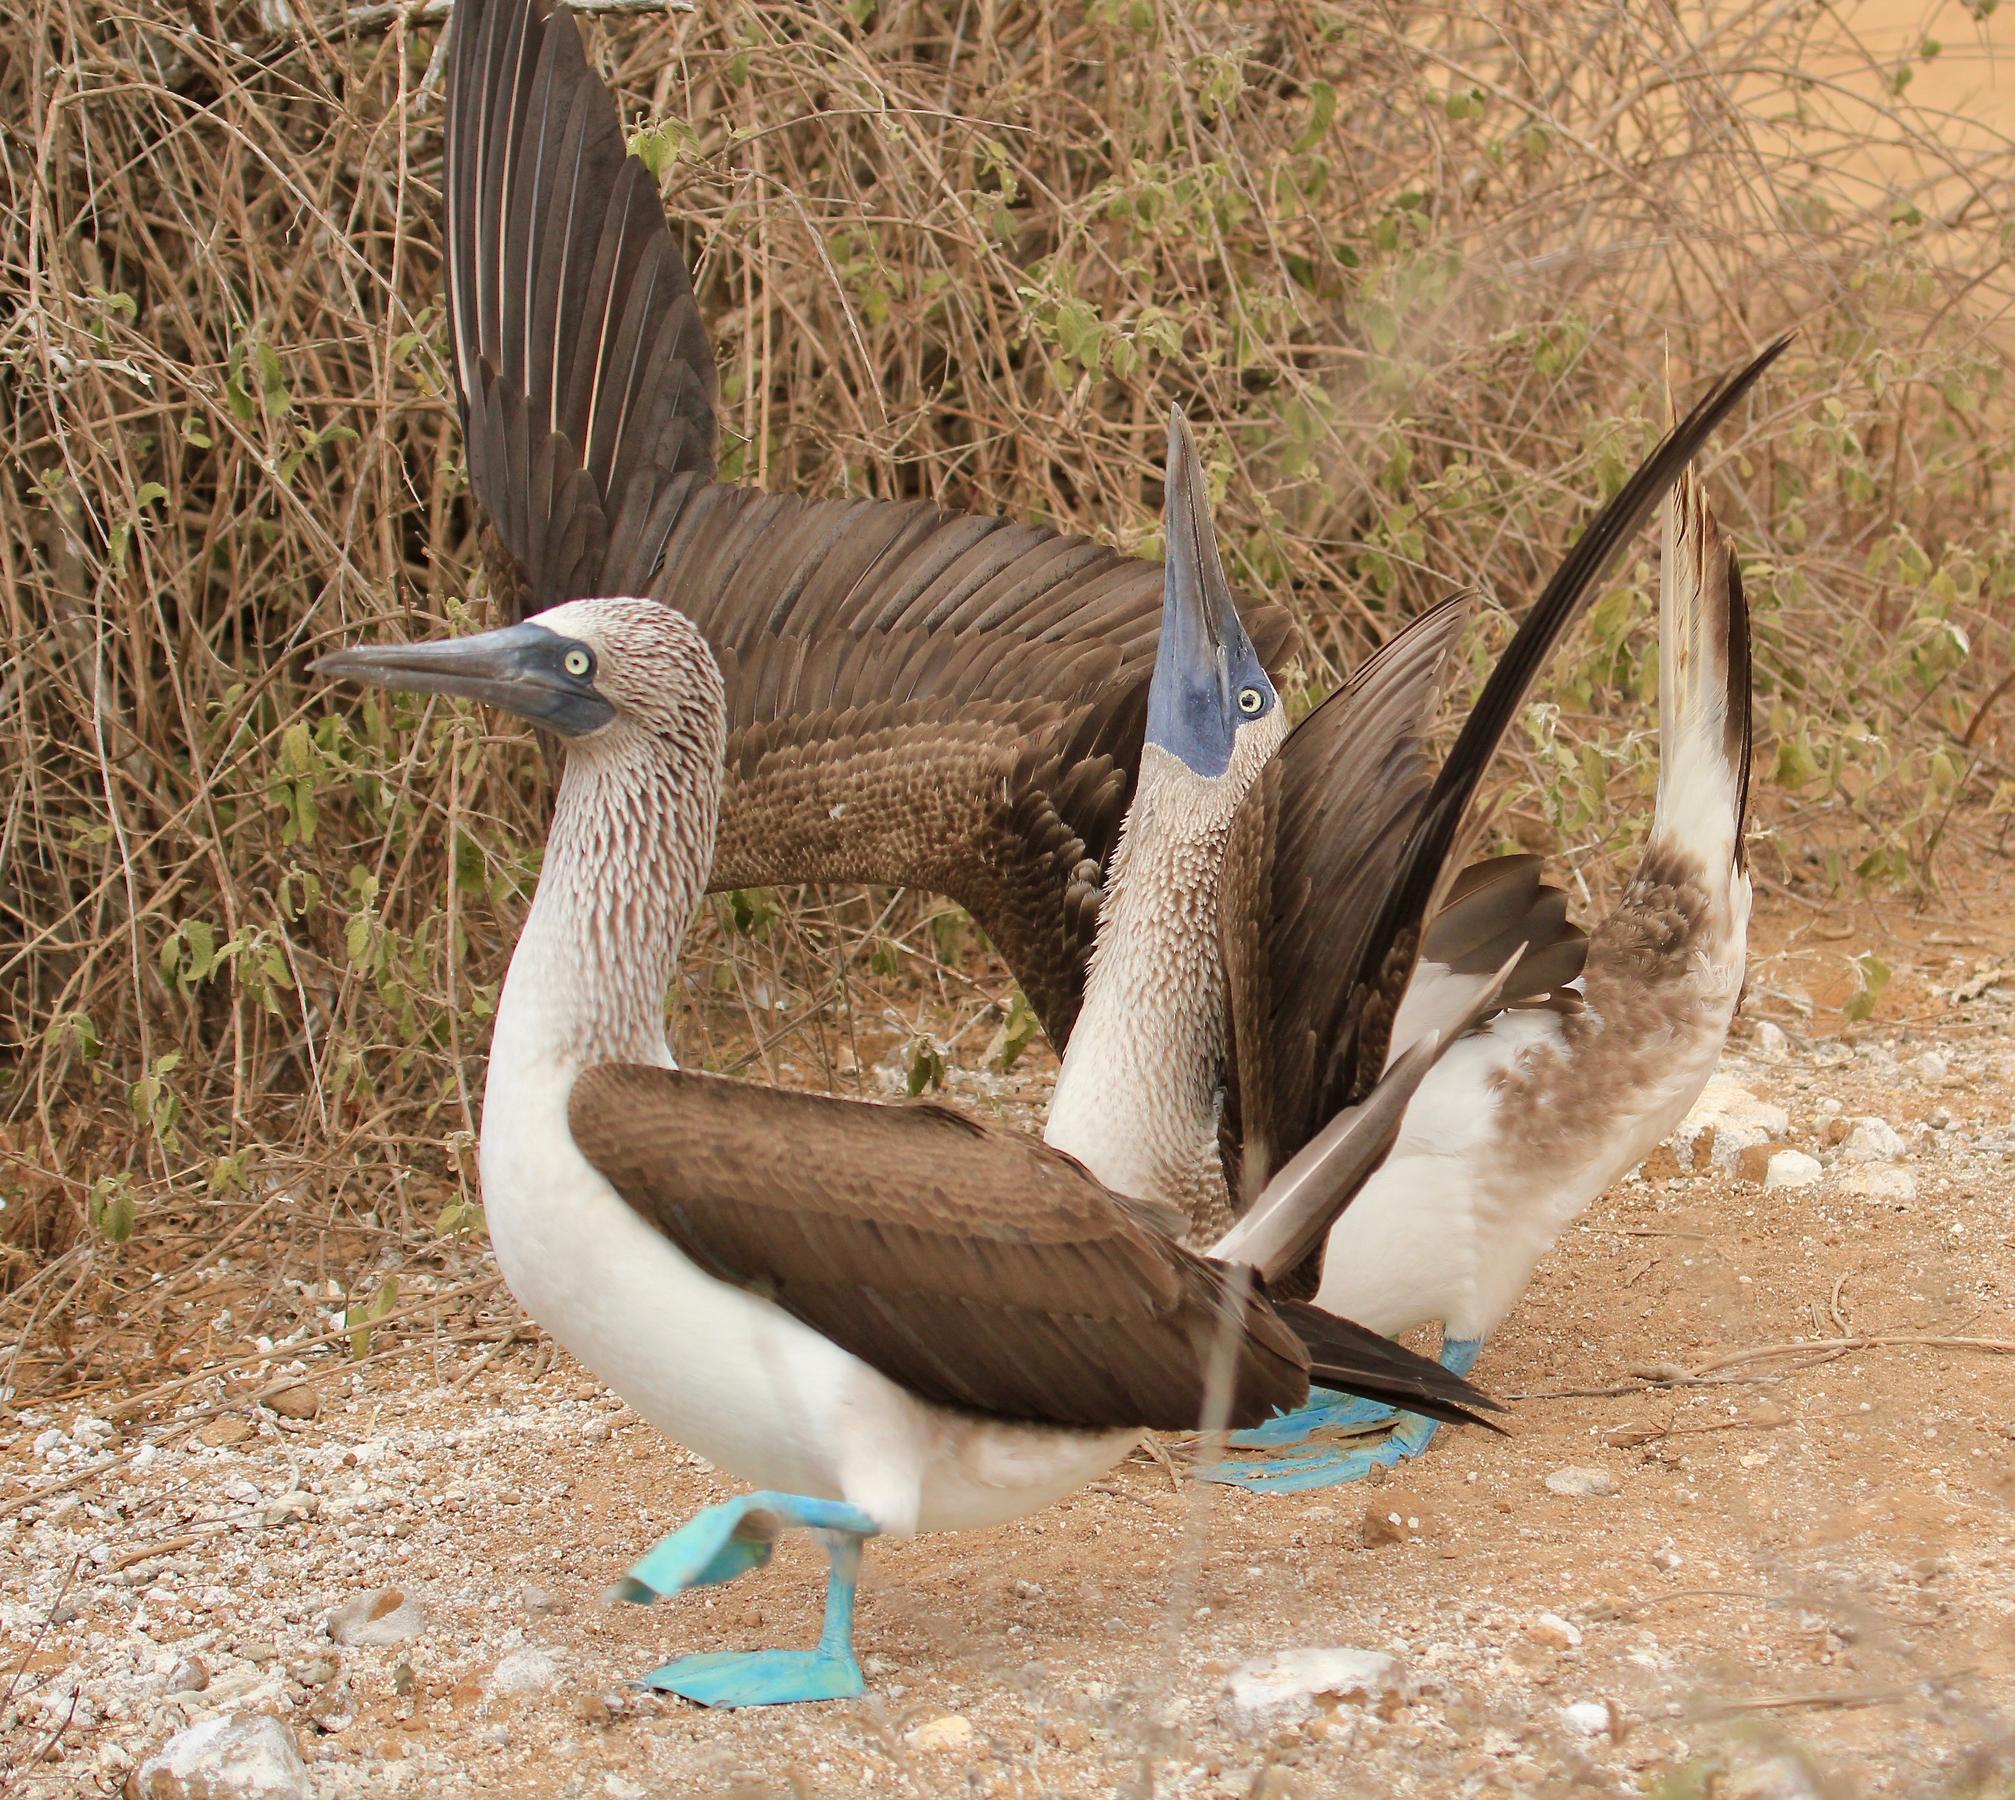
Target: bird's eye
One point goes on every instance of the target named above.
(578, 662)
(1250, 700)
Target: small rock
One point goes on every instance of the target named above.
(1275, 1783)
(1555, 1632)
(951, 1731)
(1583, 1484)
(1871, 1140)
(289, 1509)
(1667, 1559)
(1726, 1120)
(1769, 1041)
(300, 1402)
(1283, 1688)
(525, 1671)
(222, 1432)
(536, 1600)
(190, 1675)
(1930, 1066)
(232, 1758)
(334, 1708)
(1586, 1718)
(257, 1650)
(1068, 1734)
(372, 1621)
(1395, 1518)
(1787, 1169)
(1879, 1181)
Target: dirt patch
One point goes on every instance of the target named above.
(1799, 1398)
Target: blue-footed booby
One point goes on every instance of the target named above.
(890, 1319)
(1534, 1112)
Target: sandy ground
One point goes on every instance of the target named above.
(1803, 1581)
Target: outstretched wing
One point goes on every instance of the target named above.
(915, 697)
(1340, 911)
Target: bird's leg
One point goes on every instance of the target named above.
(729, 1540)
(1330, 1465)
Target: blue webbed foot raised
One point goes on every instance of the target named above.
(1320, 1465)
(729, 1540)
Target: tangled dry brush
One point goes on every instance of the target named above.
(1421, 274)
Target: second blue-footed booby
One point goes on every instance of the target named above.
(914, 697)
(1534, 1112)
(892, 1319)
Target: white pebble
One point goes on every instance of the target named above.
(1583, 1484)
(1791, 1169)
(1586, 1718)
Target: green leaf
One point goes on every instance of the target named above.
(927, 1067)
(1321, 115)
(1019, 1030)
(1874, 973)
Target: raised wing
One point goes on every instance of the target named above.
(915, 697)
(1314, 1004)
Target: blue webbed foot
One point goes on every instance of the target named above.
(1330, 1465)
(729, 1540)
(1326, 1410)
(760, 1677)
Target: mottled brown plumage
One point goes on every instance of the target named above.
(978, 1268)
(915, 697)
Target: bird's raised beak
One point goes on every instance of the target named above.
(1204, 654)
(521, 668)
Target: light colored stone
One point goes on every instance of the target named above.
(188, 1676)
(232, 1758)
(289, 1509)
(1871, 1140)
(1586, 1718)
(1791, 1169)
(300, 1402)
(374, 1620)
(949, 1731)
(1769, 1041)
(1725, 1121)
(1930, 1066)
(526, 1670)
(1583, 1484)
(1555, 1632)
(223, 1431)
(1879, 1181)
(1285, 1687)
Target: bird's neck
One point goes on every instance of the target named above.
(1137, 1098)
(626, 863)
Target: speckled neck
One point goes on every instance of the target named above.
(1138, 1097)
(626, 864)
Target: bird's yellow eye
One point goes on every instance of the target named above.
(1250, 700)
(577, 662)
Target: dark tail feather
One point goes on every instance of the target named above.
(1359, 1361)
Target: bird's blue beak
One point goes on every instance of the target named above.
(1207, 678)
(525, 669)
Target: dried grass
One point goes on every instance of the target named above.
(1419, 272)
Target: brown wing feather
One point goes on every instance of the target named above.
(587, 391)
(1314, 1018)
(974, 1266)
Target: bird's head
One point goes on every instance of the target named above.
(593, 672)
